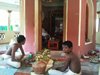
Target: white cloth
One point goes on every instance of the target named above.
(44, 33)
(56, 72)
(71, 73)
(10, 62)
(4, 56)
(14, 63)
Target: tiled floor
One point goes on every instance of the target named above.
(87, 67)
(24, 71)
(4, 47)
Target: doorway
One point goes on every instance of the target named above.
(52, 23)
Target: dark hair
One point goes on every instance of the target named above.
(68, 43)
(20, 38)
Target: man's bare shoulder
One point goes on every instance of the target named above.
(71, 55)
(67, 57)
(15, 45)
(74, 57)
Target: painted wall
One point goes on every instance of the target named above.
(98, 37)
(7, 38)
(98, 33)
(98, 6)
(73, 22)
(80, 47)
(73, 25)
(88, 46)
(29, 28)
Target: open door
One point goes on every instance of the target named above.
(52, 22)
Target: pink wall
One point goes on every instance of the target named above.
(73, 24)
(83, 24)
(85, 48)
(29, 45)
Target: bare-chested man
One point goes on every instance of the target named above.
(15, 60)
(71, 65)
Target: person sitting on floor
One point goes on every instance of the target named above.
(71, 64)
(45, 38)
(13, 57)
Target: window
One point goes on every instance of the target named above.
(9, 19)
(15, 21)
(3, 20)
(89, 21)
(97, 24)
(9, 15)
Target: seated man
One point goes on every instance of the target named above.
(71, 64)
(45, 38)
(13, 58)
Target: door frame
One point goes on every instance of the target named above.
(39, 27)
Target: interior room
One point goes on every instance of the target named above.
(52, 23)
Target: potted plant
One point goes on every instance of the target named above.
(41, 61)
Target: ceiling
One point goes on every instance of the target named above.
(98, 0)
(9, 5)
(52, 3)
(16, 2)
